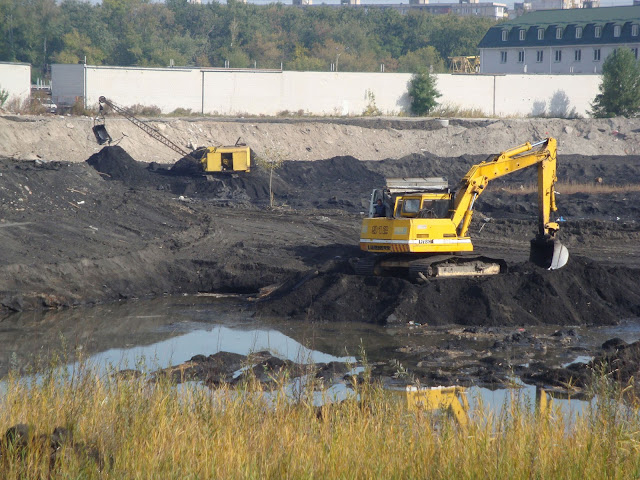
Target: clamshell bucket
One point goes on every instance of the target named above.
(102, 136)
(548, 253)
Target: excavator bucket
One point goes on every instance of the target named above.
(102, 136)
(548, 253)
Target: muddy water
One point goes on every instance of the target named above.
(162, 332)
(158, 333)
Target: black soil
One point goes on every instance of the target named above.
(583, 292)
(118, 228)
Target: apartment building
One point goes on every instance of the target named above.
(570, 41)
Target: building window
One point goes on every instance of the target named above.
(596, 55)
(503, 57)
(541, 34)
(634, 30)
(558, 55)
(616, 30)
(505, 34)
(577, 55)
(578, 32)
(522, 34)
(635, 52)
(521, 56)
(539, 56)
(597, 32)
(558, 33)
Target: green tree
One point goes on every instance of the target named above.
(423, 93)
(620, 87)
(420, 59)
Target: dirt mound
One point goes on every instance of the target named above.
(583, 292)
(117, 164)
(187, 165)
(184, 178)
(343, 182)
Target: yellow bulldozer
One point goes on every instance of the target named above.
(230, 158)
(419, 226)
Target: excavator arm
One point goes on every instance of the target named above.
(544, 248)
(518, 158)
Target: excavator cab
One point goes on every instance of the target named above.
(426, 205)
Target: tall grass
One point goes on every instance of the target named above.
(152, 429)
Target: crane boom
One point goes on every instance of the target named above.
(148, 129)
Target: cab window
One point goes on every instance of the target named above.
(411, 205)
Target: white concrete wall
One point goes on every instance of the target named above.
(247, 92)
(319, 93)
(467, 91)
(15, 78)
(523, 95)
(166, 88)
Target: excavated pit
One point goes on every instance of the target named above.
(112, 228)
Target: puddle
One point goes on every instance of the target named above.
(578, 359)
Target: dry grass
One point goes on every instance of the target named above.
(455, 111)
(574, 187)
(155, 430)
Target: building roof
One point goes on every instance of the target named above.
(569, 20)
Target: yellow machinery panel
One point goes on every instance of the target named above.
(415, 235)
(227, 159)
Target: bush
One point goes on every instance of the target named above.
(423, 93)
(144, 110)
(620, 87)
(4, 95)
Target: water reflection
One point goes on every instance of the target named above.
(169, 331)
(207, 341)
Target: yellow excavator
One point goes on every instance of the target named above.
(420, 227)
(234, 158)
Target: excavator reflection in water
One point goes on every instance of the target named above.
(453, 402)
(423, 227)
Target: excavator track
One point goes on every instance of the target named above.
(447, 266)
(435, 266)
(366, 266)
